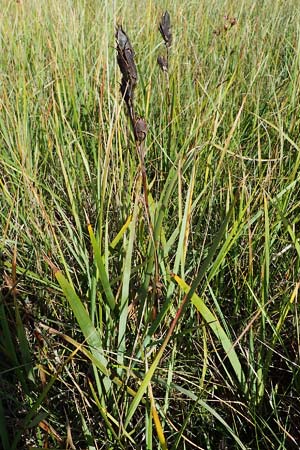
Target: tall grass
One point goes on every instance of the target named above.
(150, 303)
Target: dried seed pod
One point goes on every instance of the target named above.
(125, 58)
(140, 129)
(165, 29)
(163, 63)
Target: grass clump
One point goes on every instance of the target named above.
(149, 216)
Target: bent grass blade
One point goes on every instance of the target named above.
(217, 329)
(101, 268)
(89, 331)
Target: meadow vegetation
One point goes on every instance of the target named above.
(149, 285)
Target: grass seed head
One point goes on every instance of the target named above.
(125, 58)
(140, 129)
(165, 29)
(163, 63)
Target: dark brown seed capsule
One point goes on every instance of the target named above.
(163, 63)
(125, 58)
(165, 29)
(140, 129)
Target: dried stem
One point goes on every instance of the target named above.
(163, 61)
(126, 62)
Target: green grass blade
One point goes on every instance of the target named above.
(102, 272)
(89, 331)
(217, 329)
(123, 317)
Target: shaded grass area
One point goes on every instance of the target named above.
(172, 325)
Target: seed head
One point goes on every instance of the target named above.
(140, 129)
(163, 63)
(165, 29)
(125, 58)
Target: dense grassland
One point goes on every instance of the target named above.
(165, 318)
